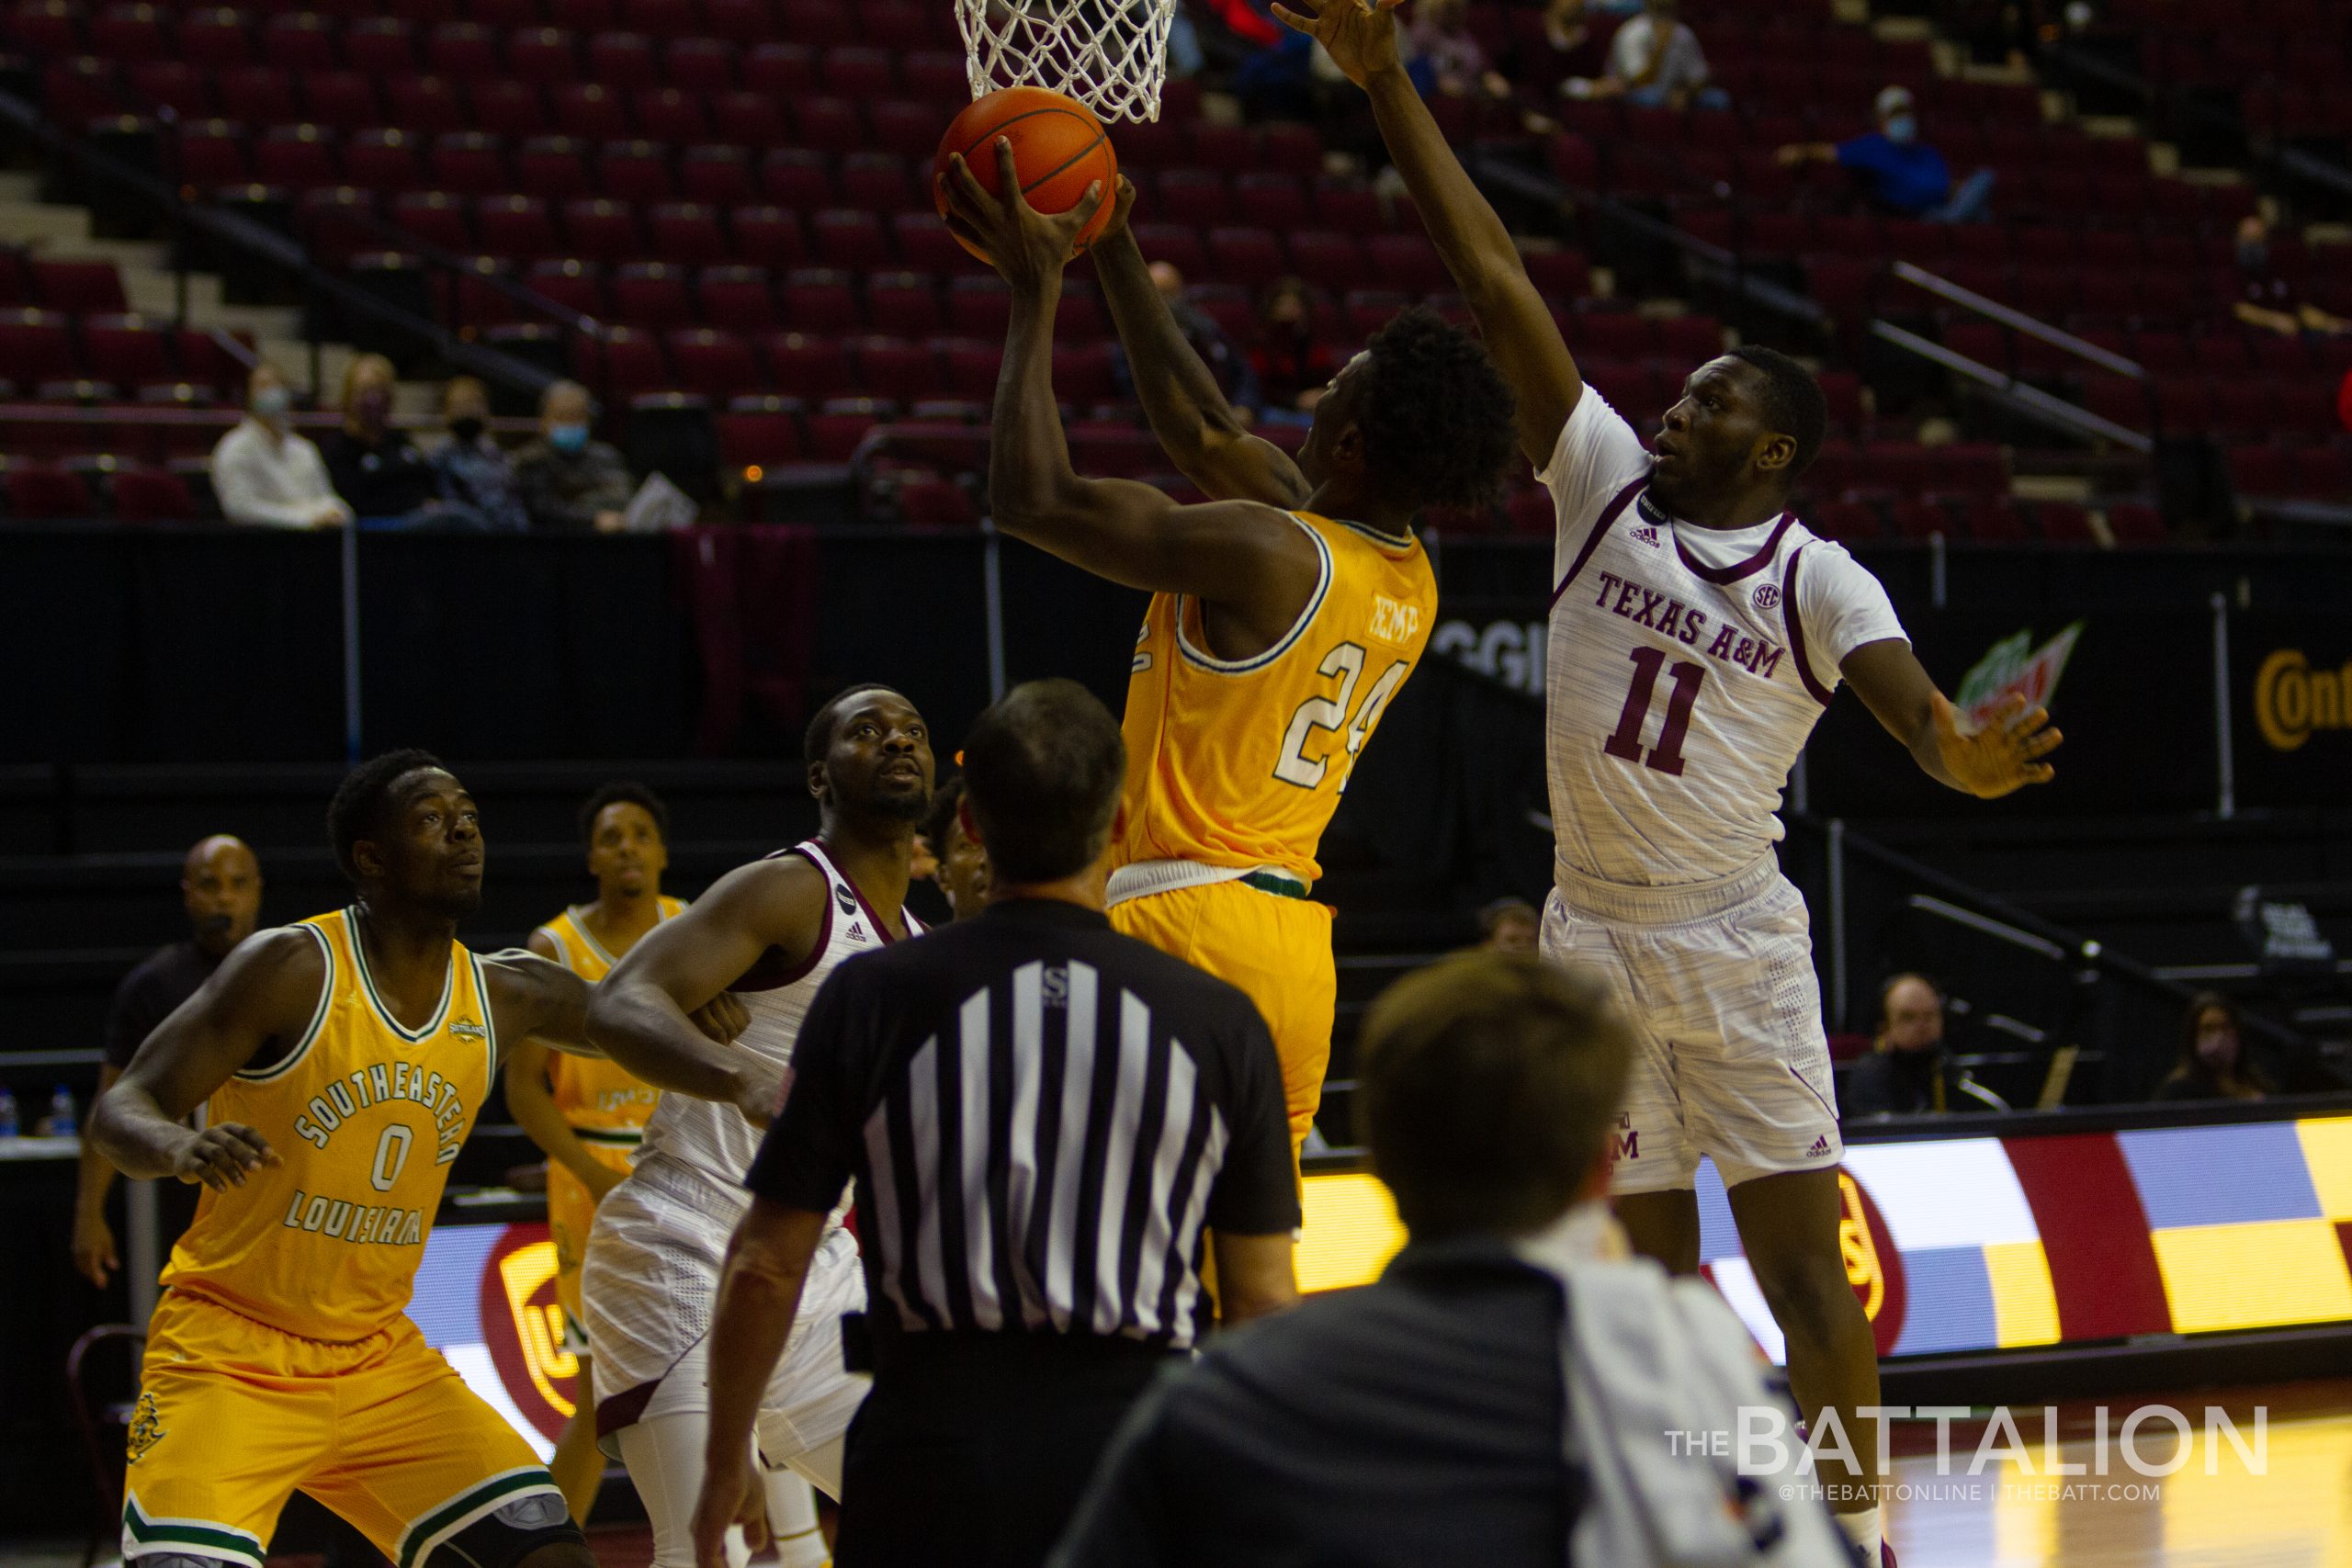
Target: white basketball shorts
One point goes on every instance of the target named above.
(650, 1287)
(1730, 1059)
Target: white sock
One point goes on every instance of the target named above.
(1862, 1530)
(792, 1520)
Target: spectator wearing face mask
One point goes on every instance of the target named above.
(470, 468)
(572, 484)
(265, 472)
(1900, 173)
(378, 469)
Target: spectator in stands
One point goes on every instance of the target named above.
(1510, 925)
(573, 483)
(378, 470)
(1654, 59)
(2213, 1056)
(1908, 1072)
(472, 468)
(1457, 62)
(1512, 1330)
(265, 472)
(1231, 368)
(1292, 368)
(1568, 50)
(1901, 173)
(2268, 300)
(221, 891)
(959, 863)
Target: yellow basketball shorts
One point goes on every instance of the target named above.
(233, 1415)
(1277, 950)
(572, 1214)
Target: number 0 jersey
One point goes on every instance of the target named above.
(1239, 763)
(1687, 668)
(365, 1116)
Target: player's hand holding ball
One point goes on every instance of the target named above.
(1359, 34)
(220, 1155)
(1028, 247)
(2004, 754)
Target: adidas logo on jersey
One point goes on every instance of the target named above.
(856, 932)
(1646, 535)
(1820, 1147)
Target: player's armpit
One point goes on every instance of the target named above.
(264, 996)
(1245, 556)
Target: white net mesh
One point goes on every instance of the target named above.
(1111, 55)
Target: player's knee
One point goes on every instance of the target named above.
(533, 1531)
(1810, 1297)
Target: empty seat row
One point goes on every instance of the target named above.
(72, 284)
(127, 352)
(2315, 472)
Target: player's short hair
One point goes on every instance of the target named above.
(1043, 769)
(1440, 424)
(364, 797)
(614, 792)
(1487, 1085)
(939, 816)
(1793, 405)
(828, 718)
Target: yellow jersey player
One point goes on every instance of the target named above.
(587, 1114)
(1285, 613)
(341, 1062)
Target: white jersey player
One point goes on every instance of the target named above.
(770, 932)
(1698, 631)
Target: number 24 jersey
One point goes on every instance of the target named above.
(1241, 762)
(1687, 666)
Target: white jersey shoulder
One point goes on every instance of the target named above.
(1687, 667)
(717, 1140)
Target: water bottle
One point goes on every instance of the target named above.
(61, 1112)
(7, 1112)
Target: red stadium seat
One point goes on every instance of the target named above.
(553, 168)
(129, 351)
(1408, 262)
(980, 306)
(212, 152)
(820, 299)
(719, 176)
(589, 111)
(545, 57)
(382, 160)
(882, 183)
(636, 172)
(769, 237)
(1178, 244)
(1290, 148)
(1228, 149)
(174, 85)
(743, 22)
(78, 286)
(1082, 373)
(798, 178)
(381, 46)
(48, 491)
(715, 364)
(2132, 524)
(650, 293)
(658, 19)
(841, 424)
(463, 52)
(672, 115)
(700, 65)
(781, 70)
(806, 367)
(604, 230)
(903, 303)
(925, 244)
(631, 362)
(936, 77)
(435, 217)
(971, 365)
(623, 60)
(515, 226)
(298, 41)
(299, 157)
(214, 37)
(936, 504)
(686, 233)
(1325, 254)
(570, 282)
(48, 26)
(857, 72)
(2064, 523)
(909, 130)
(736, 297)
(848, 238)
(345, 100)
(760, 430)
(750, 118)
(830, 125)
(894, 368)
(509, 109)
(582, 15)
(143, 494)
(819, 24)
(1197, 196)
(470, 162)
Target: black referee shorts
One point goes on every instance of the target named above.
(974, 1450)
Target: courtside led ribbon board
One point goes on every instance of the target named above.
(1951, 1244)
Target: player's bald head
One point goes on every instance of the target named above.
(220, 850)
(221, 890)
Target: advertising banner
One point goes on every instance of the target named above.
(1950, 1243)
(2291, 707)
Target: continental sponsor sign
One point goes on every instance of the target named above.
(2293, 699)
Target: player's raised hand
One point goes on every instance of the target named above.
(1359, 34)
(2003, 754)
(1123, 202)
(220, 1155)
(1026, 246)
(723, 1017)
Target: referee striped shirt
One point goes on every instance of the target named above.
(1041, 1116)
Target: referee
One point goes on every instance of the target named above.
(1041, 1116)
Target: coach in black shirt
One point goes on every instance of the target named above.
(1041, 1116)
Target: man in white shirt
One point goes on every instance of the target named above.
(268, 474)
(1655, 59)
(1698, 633)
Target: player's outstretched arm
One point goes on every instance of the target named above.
(758, 1296)
(646, 1014)
(1189, 413)
(2003, 754)
(1513, 320)
(1241, 554)
(539, 1000)
(265, 993)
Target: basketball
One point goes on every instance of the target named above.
(1059, 148)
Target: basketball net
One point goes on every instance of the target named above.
(1111, 55)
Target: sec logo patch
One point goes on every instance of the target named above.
(1766, 596)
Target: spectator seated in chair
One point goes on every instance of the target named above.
(1901, 173)
(378, 470)
(1909, 1073)
(1293, 369)
(2212, 1057)
(2268, 300)
(572, 482)
(470, 468)
(1655, 60)
(268, 474)
(1455, 60)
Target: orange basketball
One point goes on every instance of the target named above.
(1059, 149)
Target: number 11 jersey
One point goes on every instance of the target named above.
(1687, 667)
(1240, 762)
